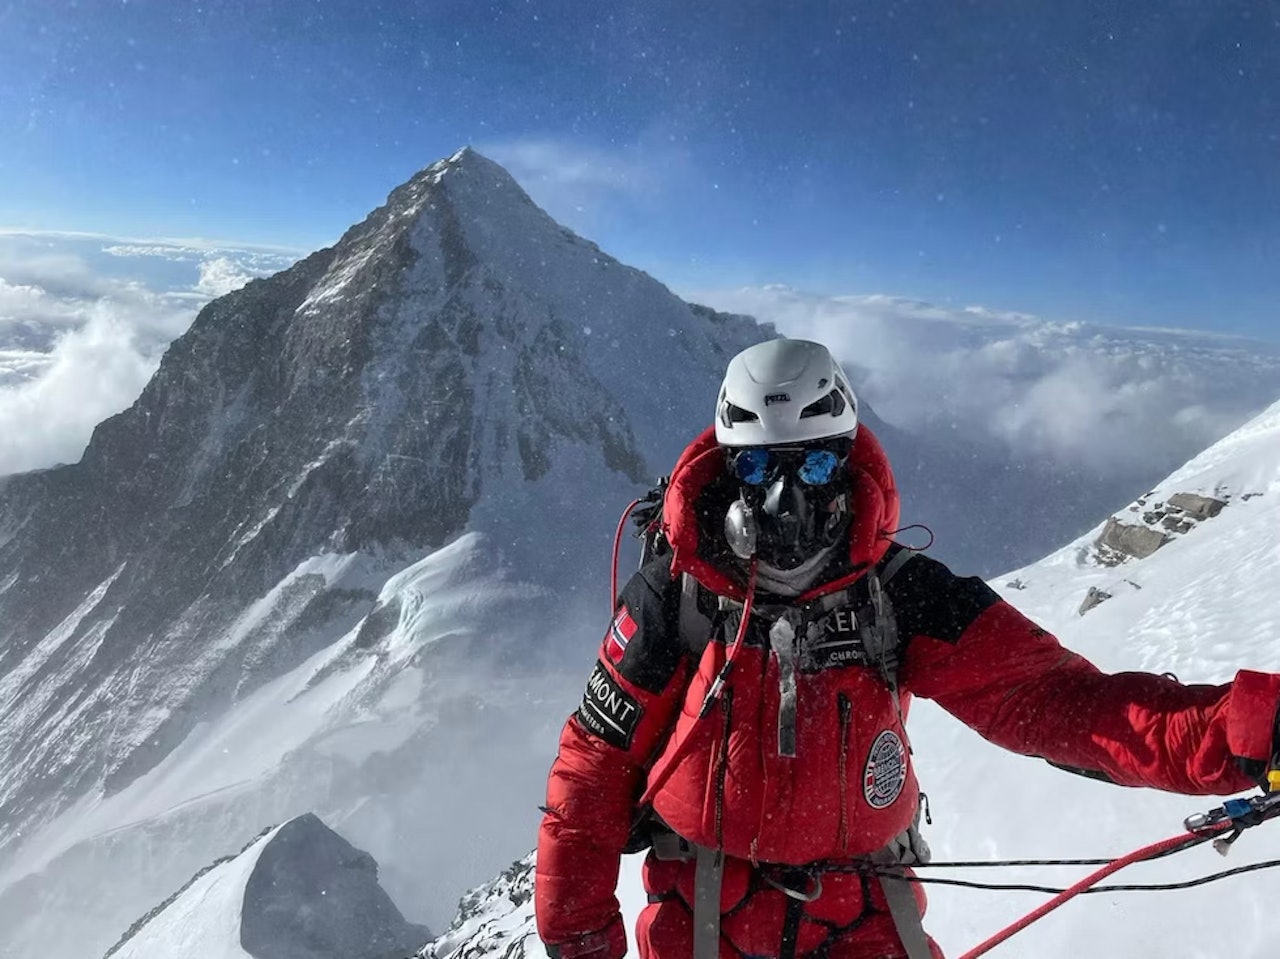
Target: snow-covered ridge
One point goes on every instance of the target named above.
(1221, 496)
(296, 887)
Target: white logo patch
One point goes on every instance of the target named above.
(886, 771)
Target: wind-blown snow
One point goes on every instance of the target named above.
(378, 729)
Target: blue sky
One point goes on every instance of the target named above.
(1112, 162)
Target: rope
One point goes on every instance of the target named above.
(1148, 887)
(1010, 863)
(1165, 846)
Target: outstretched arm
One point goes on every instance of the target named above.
(1013, 683)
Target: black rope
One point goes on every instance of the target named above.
(1001, 863)
(995, 863)
(1052, 890)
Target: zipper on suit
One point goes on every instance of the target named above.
(722, 766)
(846, 720)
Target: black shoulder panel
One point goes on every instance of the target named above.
(650, 656)
(930, 600)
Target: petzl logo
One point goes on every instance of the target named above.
(772, 398)
(621, 632)
(608, 710)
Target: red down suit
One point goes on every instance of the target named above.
(844, 787)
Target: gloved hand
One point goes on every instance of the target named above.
(607, 943)
(1265, 773)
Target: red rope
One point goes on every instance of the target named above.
(1138, 855)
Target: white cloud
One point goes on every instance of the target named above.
(83, 323)
(1107, 398)
(93, 371)
(221, 275)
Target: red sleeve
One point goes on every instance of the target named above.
(630, 700)
(1017, 686)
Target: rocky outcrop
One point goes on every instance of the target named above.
(1125, 540)
(1195, 507)
(495, 919)
(1092, 598)
(1160, 522)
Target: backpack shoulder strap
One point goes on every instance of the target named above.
(695, 625)
(895, 564)
(880, 637)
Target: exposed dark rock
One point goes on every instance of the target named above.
(1129, 540)
(1161, 521)
(312, 895)
(1197, 507)
(1093, 598)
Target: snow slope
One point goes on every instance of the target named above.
(377, 734)
(1205, 604)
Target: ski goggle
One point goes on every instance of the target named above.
(757, 465)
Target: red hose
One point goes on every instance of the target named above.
(1138, 855)
(617, 547)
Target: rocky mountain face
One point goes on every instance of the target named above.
(458, 362)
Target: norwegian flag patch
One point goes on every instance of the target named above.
(621, 632)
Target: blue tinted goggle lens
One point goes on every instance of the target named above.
(819, 467)
(751, 466)
(755, 466)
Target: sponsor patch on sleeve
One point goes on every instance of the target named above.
(608, 710)
(621, 632)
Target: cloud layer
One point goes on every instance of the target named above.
(84, 321)
(83, 324)
(1103, 398)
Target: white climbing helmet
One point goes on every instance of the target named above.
(784, 391)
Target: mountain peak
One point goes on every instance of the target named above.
(466, 177)
(468, 159)
(457, 364)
